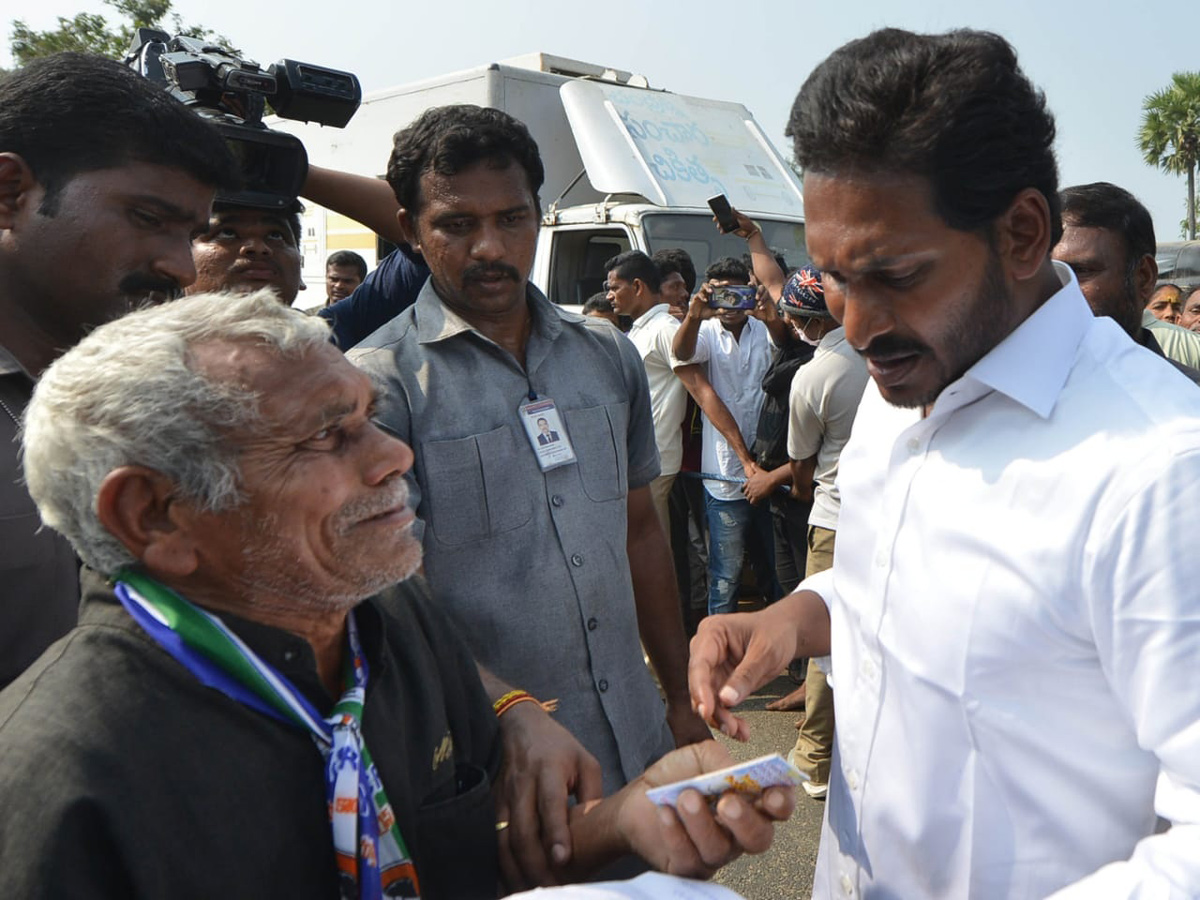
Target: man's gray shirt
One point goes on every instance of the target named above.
(532, 565)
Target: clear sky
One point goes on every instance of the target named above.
(1095, 60)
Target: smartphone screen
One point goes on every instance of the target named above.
(723, 211)
(733, 296)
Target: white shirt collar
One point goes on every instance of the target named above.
(1031, 365)
(651, 313)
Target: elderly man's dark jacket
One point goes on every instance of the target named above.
(122, 776)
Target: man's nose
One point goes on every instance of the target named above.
(177, 263)
(255, 245)
(865, 316)
(489, 244)
(389, 455)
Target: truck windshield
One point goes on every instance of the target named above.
(697, 234)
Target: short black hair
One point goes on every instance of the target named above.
(598, 303)
(71, 113)
(1104, 205)
(449, 139)
(675, 259)
(635, 264)
(953, 108)
(728, 268)
(348, 258)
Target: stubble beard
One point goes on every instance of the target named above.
(970, 334)
(271, 567)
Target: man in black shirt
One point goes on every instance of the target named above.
(103, 178)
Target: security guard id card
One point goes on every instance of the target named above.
(547, 436)
(751, 778)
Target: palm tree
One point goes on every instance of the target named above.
(1170, 134)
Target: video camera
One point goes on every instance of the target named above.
(232, 93)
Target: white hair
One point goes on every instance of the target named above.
(128, 395)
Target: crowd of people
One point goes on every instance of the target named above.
(394, 599)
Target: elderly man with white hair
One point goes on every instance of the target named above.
(260, 701)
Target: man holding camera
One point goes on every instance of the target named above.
(103, 179)
(728, 329)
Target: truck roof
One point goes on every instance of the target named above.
(601, 132)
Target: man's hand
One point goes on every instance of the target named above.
(732, 655)
(694, 839)
(764, 307)
(749, 466)
(686, 726)
(759, 486)
(698, 307)
(543, 765)
(746, 227)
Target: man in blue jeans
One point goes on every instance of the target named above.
(734, 345)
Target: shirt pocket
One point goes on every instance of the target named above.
(456, 839)
(598, 435)
(474, 487)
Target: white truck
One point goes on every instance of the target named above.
(627, 166)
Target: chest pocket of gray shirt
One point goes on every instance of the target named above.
(474, 487)
(598, 435)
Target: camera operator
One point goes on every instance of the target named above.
(103, 179)
(246, 248)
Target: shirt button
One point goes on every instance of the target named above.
(592, 623)
(603, 685)
(847, 885)
(867, 668)
(852, 780)
(914, 446)
(576, 560)
(881, 559)
(556, 501)
(289, 655)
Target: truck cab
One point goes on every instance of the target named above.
(575, 243)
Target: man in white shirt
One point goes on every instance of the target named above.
(1010, 612)
(735, 348)
(633, 285)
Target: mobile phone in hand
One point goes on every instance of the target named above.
(726, 220)
(733, 296)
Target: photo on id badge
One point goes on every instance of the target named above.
(546, 433)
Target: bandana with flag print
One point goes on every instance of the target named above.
(372, 858)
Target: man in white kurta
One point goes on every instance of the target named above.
(1011, 635)
(1013, 613)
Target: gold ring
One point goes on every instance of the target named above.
(500, 826)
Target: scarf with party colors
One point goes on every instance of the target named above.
(371, 855)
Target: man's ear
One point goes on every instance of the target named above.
(17, 188)
(139, 508)
(1145, 275)
(408, 228)
(1022, 234)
